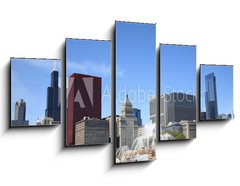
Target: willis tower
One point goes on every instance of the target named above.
(53, 95)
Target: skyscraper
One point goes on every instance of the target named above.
(20, 110)
(84, 100)
(211, 97)
(153, 109)
(137, 114)
(175, 107)
(53, 98)
(20, 114)
(128, 125)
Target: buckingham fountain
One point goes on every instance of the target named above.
(137, 143)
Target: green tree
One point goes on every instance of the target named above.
(177, 135)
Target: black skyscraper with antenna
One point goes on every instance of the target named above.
(53, 95)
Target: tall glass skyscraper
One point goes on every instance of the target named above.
(211, 97)
(137, 114)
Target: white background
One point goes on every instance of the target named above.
(35, 156)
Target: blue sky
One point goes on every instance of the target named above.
(29, 81)
(177, 69)
(91, 57)
(135, 65)
(224, 83)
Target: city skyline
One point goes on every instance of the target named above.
(29, 81)
(134, 142)
(224, 87)
(177, 92)
(88, 79)
(91, 57)
(135, 86)
(135, 65)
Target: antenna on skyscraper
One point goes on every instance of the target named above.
(54, 66)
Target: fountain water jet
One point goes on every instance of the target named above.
(167, 136)
(142, 149)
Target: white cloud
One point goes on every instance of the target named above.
(89, 67)
(92, 68)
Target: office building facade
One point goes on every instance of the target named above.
(84, 100)
(91, 131)
(189, 128)
(175, 107)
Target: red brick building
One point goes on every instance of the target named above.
(84, 100)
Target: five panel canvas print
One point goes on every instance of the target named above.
(135, 122)
(177, 92)
(216, 92)
(129, 119)
(88, 92)
(35, 92)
